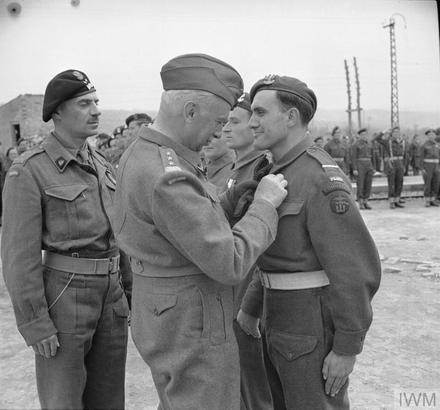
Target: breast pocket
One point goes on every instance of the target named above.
(61, 210)
(290, 208)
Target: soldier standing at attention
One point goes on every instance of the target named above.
(431, 174)
(361, 154)
(394, 156)
(322, 270)
(414, 155)
(185, 257)
(255, 391)
(338, 150)
(219, 160)
(69, 303)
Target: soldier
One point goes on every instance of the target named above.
(394, 156)
(338, 150)
(361, 155)
(60, 259)
(414, 155)
(320, 274)
(255, 391)
(219, 160)
(429, 157)
(319, 141)
(134, 122)
(184, 255)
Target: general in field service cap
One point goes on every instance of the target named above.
(205, 73)
(287, 84)
(64, 86)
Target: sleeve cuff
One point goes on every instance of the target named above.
(348, 343)
(266, 212)
(37, 330)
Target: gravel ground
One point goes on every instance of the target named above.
(401, 352)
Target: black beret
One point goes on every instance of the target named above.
(362, 130)
(287, 84)
(430, 130)
(245, 102)
(141, 117)
(205, 73)
(64, 86)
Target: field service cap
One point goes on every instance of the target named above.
(205, 73)
(141, 117)
(64, 86)
(287, 84)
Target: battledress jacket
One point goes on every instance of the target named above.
(171, 222)
(53, 203)
(320, 228)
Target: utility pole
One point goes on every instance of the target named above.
(358, 93)
(393, 58)
(349, 110)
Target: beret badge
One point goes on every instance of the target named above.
(269, 79)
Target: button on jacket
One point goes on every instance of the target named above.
(54, 203)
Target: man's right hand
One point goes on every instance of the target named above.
(272, 189)
(249, 324)
(47, 347)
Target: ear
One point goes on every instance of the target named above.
(293, 117)
(190, 110)
(55, 115)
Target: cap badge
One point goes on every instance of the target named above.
(241, 98)
(269, 79)
(78, 75)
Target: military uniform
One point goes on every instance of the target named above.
(431, 173)
(339, 152)
(318, 276)
(61, 204)
(361, 155)
(414, 157)
(395, 155)
(254, 387)
(185, 259)
(220, 169)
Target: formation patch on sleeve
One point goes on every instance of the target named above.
(339, 204)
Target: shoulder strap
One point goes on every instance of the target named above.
(170, 161)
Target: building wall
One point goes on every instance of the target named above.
(24, 110)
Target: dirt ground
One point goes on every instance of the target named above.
(401, 352)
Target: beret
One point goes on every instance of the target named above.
(430, 130)
(141, 117)
(205, 73)
(64, 86)
(287, 84)
(362, 130)
(244, 101)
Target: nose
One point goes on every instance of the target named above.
(95, 110)
(253, 123)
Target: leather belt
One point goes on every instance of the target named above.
(431, 161)
(398, 157)
(82, 266)
(294, 280)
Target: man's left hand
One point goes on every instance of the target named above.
(335, 372)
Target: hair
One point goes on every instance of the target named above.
(288, 101)
(172, 101)
(9, 150)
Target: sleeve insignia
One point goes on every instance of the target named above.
(339, 204)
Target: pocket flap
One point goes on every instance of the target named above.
(158, 304)
(293, 346)
(66, 192)
(290, 208)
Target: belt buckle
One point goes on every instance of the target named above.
(111, 264)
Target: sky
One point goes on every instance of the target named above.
(122, 44)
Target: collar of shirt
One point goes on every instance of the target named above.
(292, 154)
(158, 138)
(247, 159)
(58, 153)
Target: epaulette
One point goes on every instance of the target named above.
(23, 158)
(169, 158)
(337, 181)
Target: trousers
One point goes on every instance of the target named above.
(395, 171)
(431, 177)
(364, 179)
(182, 328)
(88, 370)
(299, 334)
